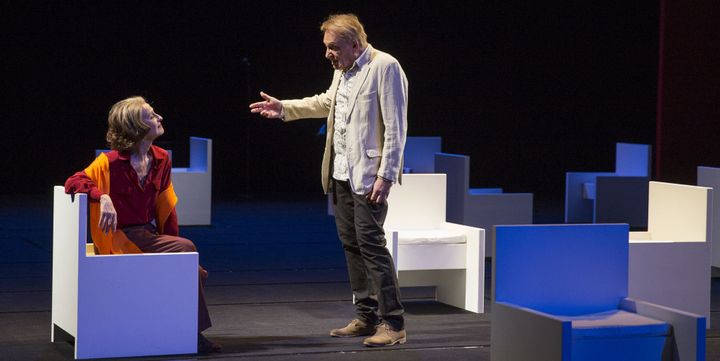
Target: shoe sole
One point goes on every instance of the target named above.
(398, 341)
(358, 335)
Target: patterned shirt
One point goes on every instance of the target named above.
(342, 101)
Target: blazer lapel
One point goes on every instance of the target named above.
(360, 81)
(330, 129)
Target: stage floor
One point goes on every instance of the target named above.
(277, 285)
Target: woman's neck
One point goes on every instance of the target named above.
(143, 147)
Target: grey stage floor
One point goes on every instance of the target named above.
(278, 284)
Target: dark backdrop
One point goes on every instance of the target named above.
(689, 79)
(528, 89)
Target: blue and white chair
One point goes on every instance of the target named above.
(193, 185)
(710, 177)
(670, 263)
(480, 207)
(419, 154)
(611, 197)
(560, 294)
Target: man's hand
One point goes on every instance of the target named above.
(380, 191)
(269, 108)
(108, 216)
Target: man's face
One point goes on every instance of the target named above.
(341, 52)
(153, 120)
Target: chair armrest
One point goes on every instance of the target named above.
(471, 233)
(523, 334)
(688, 328)
(577, 208)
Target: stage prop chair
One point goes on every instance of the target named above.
(670, 263)
(418, 157)
(427, 250)
(710, 177)
(118, 305)
(560, 294)
(419, 154)
(193, 185)
(611, 197)
(480, 207)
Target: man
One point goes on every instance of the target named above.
(366, 110)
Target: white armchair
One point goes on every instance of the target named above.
(118, 305)
(670, 263)
(193, 185)
(431, 252)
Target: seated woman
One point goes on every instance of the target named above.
(132, 202)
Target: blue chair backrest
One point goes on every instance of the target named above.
(562, 269)
(632, 159)
(419, 154)
(199, 148)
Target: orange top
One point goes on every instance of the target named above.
(157, 194)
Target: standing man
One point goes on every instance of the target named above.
(366, 110)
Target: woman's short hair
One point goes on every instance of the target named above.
(347, 26)
(125, 125)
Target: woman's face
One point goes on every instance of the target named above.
(154, 121)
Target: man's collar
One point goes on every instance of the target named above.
(362, 59)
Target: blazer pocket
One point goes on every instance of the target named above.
(372, 153)
(366, 97)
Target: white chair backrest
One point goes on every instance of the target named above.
(679, 212)
(417, 203)
(69, 237)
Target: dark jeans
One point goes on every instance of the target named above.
(370, 266)
(147, 239)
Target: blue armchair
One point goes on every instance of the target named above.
(560, 294)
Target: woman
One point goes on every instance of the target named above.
(132, 201)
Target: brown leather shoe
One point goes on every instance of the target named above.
(386, 336)
(355, 328)
(207, 346)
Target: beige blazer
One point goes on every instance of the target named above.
(377, 120)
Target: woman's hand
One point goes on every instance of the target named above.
(108, 216)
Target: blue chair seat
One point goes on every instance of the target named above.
(476, 191)
(615, 324)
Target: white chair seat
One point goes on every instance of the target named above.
(430, 236)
